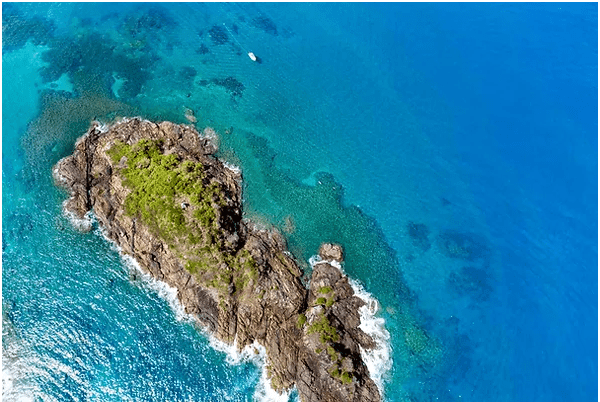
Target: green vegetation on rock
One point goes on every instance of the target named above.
(326, 332)
(178, 201)
(325, 290)
(332, 354)
(301, 321)
(344, 376)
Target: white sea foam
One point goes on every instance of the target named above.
(19, 362)
(210, 133)
(233, 168)
(101, 126)
(165, 291)
(256, 354)
(84, 224)
(57, 176)
(168, 293)
(379, 359)
(316, 259)
(18, 370)
(7, 380)
(10, 392)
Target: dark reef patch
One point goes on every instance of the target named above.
(17, 30)
(203, 49)
(471, 281)
(218, 34)
(187, 75)
(91, 52)
(464, 246)
(266, 24)
(62, 119)
(419, 234)
(147, 22)
(321, 216)
(93, 58)
(148, 30)
(231, 85)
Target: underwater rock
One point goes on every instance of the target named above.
(239, 282)
(90, 60)
(186, 76)
(464, 246)
(187, 73)
(218, 34)
(419, 234)
(203, 49)
(145, 23)
(231, 85)
(330, 252)
(189, 115)
(17, 29)
(266, 24)
(471, 281)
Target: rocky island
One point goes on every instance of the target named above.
(161, 195)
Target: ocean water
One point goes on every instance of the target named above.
(451, 148)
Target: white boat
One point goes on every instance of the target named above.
(252, 56)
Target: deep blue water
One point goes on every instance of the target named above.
(451, 148)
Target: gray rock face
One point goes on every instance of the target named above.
(311, 335)
(329, 252)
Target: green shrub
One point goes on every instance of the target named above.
(332, 353)
(325, 290)
(321, 300)
(324, 329)
(346, 377)
(329, 301)
(157, 184)
(301, 321)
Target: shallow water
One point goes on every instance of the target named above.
(451, 148)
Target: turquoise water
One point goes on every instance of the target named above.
(451, 148)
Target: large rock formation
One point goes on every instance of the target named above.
(162, 196)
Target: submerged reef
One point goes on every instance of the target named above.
(230, 84)
(463, 246)
(159, 193)
(17, 29)
(419, 234)
(266, 24)
(218, 34)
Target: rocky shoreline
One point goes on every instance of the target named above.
(161, 195)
